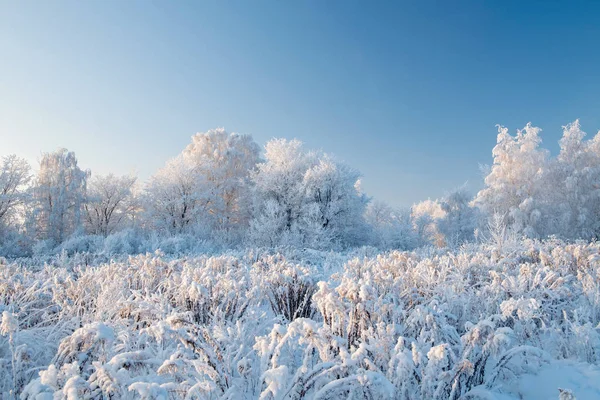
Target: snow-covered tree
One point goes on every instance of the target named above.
(539, 196)
(278, 194)
(58, 196)
(426, 217)
(171, 201)
(305, 198)
(390, 228)
(204, 190)
(572, 188)
(334, 203)
(449, 221)
(15, 174)
(513, 185)
(460, 220)
(109, 204)
(221, 164)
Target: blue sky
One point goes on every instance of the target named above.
(407, 92)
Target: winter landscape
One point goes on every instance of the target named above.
(233, 276)
(294, 262)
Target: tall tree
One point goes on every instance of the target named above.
(513, 185)
(206, 188)
(222, 163)
(15, 174)
(172, 201)
(572, 186)
(305, 198)
(58, 196)
(109, 203)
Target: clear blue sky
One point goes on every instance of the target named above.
(409, 93)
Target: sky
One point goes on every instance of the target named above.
(409, 93)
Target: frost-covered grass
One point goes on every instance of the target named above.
(473, 323)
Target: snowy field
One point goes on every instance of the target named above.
(481, 322)
(199, 284)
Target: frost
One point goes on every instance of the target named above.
(157, 291)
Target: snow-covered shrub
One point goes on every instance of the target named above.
(44, 247)
(289, 287)
(214, 288)
(82, 244)
(15, 244)
(306, 360)
(425, 324)
(123, 242)
(176, 244)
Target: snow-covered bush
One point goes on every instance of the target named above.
(289, 287)
(126, 241)
(425, 324)
(82, 244)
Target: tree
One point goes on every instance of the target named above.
(305, 198)
(460, 220)
(278, 197)
(221, 163)
(15, 174)
(109, 203)
(572, 188)
(335, 202)
(426, 216)
(58, 196)
(390, 228)
(171, 199)
(514, 183)
(205, 189)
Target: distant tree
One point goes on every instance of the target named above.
(390, 228)
(221, 163)
(15, 174)
(572, 186)
(205, 190)
(171, 200)
(335, 200)
(449, 221)
(425, 217)
(514, 183)
(460, 220)
(58, 196)
(109, 203)
(305, 198)
(278, 197)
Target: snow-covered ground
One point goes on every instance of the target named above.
(481, 322)
(583, 379)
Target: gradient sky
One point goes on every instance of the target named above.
(407, 92)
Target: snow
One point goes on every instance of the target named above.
(235, 277)
(582, 379)
(425, 324)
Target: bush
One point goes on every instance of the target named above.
(123, 242)
(82, 244)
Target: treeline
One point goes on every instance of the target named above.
(222, 192)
